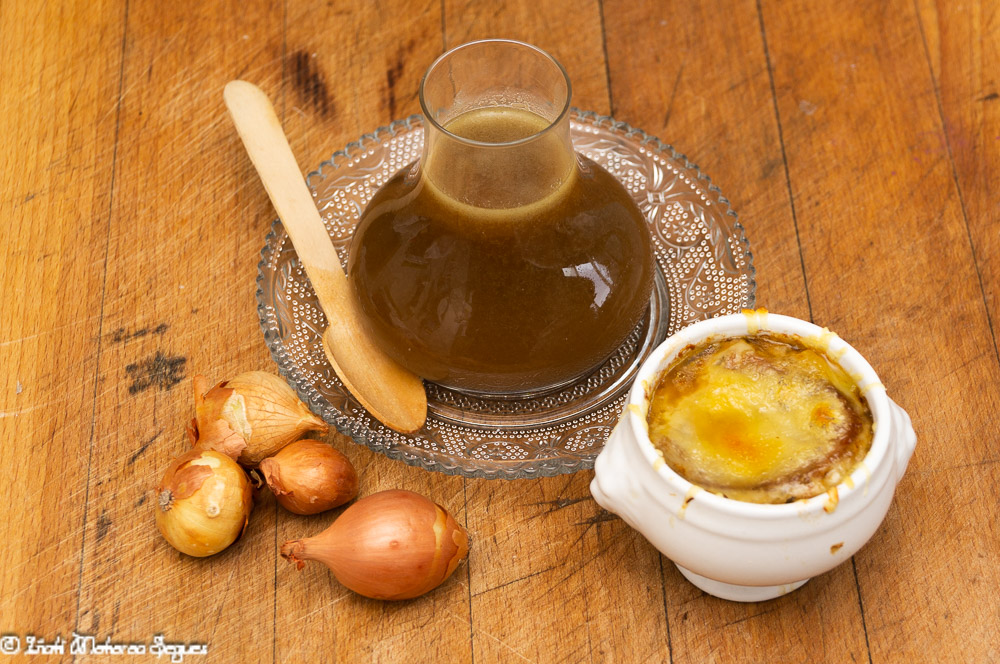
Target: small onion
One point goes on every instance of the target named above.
(251, 416)
(390, 545)
(203, 502)
(308, 477)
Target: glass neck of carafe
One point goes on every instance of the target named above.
(497, 133)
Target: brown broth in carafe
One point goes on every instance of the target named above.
(495, 299)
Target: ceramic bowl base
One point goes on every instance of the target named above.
(737, 593)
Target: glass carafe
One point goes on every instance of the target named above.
(501, 262)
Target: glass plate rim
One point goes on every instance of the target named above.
(525, 469)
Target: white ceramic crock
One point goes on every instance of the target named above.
(746, 551)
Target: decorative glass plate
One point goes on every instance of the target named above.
(704, 269)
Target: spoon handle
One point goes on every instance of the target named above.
(391, 393)
(271, 155)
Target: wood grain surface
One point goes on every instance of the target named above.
(858, 140)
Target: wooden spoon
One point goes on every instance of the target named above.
(392, 394)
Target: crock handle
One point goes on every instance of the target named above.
(612, 485)
(903, 436)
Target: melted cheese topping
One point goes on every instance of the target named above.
(761, 418)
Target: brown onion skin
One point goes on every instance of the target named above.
(390, 545)
(250, 416)
(309, 477)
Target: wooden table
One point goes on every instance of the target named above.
(859, 142)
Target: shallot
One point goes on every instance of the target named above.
(390, 545)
